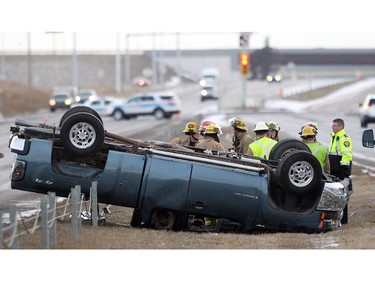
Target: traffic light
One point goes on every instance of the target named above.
(245, 64)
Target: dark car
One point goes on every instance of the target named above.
(241, 194)
(62, 98)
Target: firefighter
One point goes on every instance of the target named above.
(341, 156)
(191, 130)
(308, 136)
(241, 137)
(274, 130)
(210, 138)
(202, 127)
(263, 144)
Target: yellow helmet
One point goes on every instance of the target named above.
(191, 127)
(212, 129)
(308, 131)
(203, 126)
(273, 126)
(238, 123)
(310, 124)
(261, 126)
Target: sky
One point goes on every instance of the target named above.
(103, 25)
(54, 42)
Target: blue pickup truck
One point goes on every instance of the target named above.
(242, 194)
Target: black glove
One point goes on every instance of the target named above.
(345, 172)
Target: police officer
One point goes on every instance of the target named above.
(191, 130)
(263, 144)
(210, 139)
(241, 138)
(341, 156)
(340, 150)
(317, 149)
(274, 130)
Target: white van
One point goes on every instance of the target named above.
(210, 83)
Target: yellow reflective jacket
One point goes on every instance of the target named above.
(261, 147)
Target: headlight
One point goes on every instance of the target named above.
(202, 83)
(68, 102)
(52, 102)
(204, 92)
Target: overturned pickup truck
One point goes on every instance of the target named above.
(289, 192)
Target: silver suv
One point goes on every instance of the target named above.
(367, 110)
(160, 104)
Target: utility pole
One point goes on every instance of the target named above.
(244, 64)
(29, 72)
(127, 63)
(118, 65)
(74, 62)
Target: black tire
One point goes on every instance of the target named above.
(286, 146)
(82, 134)
(118, 114)
(159, 113)
(363, 124)
(300, 172)
(345, 219)
(78, 109)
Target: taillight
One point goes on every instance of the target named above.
(18, 170)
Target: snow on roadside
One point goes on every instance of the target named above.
(301, 106)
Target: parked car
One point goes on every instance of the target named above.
(367, 111)
(62, 98)
(86, 94)
(242, 194)
(160, 104)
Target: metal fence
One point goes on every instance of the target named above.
(46, 216)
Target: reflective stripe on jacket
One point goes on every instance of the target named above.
(262, 147)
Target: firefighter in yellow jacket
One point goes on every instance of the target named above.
(191, 130)
(263, 144)
(317, 149)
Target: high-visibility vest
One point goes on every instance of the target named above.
(262, 147)
(319, 151)
(340, 152)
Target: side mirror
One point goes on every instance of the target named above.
(368, 138)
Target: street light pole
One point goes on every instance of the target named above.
(74, 62)
(29, 74)
(118, 65)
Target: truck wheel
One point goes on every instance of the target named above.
(82, 134)
(285, 146)
(78, 109)
(299, 172)
(159, 113)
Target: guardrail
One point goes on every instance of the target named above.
(313, 85)
(46, 217)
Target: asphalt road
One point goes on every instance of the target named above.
(228, 106)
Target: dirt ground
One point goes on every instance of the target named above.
(117, 234)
